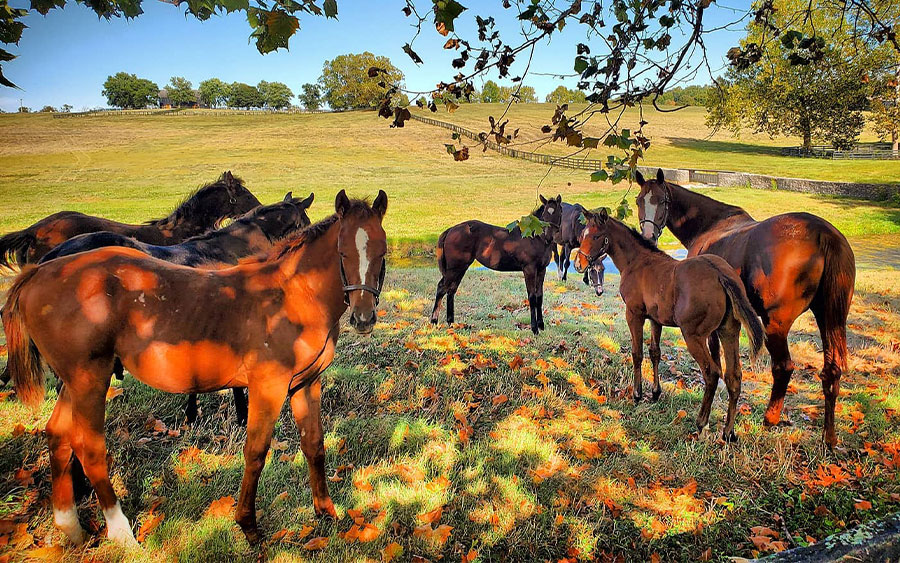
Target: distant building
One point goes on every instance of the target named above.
(166, 103)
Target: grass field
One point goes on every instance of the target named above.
(529, 446)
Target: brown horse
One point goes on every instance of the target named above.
(499, 249)
(789, 263)
(700, 295)
(203, 210)
(270, 326)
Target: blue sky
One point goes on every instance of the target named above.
(66, 56)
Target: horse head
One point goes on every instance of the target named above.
(653, 205)
(362, 245)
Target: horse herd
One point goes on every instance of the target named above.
(188, 307)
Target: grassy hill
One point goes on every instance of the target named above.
(138, 167)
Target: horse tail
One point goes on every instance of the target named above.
(831, 303)
(24, 363)
(743, 310)
(13, 247)
(442, 260)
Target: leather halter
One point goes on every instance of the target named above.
(658, 227)
(376, 291)
(590, 261)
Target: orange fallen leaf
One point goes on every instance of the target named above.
(499, 399)
(152, 522)
(46, 553)
(431, 516)
(469, 557)
(863, 505)
(221, 508)
(18, 430)
(280, 535)
(114, 392)
(368, 533)
(316, 544)
(24, 476)
(442, 534)
(517, 362)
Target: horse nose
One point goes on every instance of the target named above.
(599, 290)
(363, 323)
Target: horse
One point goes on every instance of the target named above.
(204, 209)
(268, 325)
(499, 249)
(570, 227)
(252, 233)
(701, 295)
(789, 263)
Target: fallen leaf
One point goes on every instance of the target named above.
(114, 392)
(221, 508)
(152, 522)
(431, 516)
(24, 476)
(46, 553)
(863, 505)
(316, 544)
(499, 399)
(391, 551)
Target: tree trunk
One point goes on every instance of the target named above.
(807, 141)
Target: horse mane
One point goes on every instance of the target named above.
(190, 203)
(308, 235)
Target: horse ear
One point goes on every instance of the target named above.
(308, 201)
(603, 215)
(288, 196)
(543, 199)
(380, 205)
(228, 177)
(341, 203)
(639, 178)
(660, 177)
(558, 198)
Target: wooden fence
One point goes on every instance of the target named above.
(873, 151)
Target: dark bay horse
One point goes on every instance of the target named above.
(567, 237)
(701, 295)
(252, 233)
(789, 263)
(499, 249)
(268, 325)
(203, 210)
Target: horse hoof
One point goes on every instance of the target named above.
(434, 321)
(252, 535)
(325, 509)
(656, 395)
(730, 437)
(637, 398)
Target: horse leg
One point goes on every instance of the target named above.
(439, 295)
(59, 431)
(714, 349)
(118, 369)
(539, 295)
(558, 260)
(264, 406)
(635, 322)
(782, 368)
(191, 409)
(697, 346)
(452, 286)
(531, 289)
(566, 259)
(306, 406)
(240, 405)
(834, 346)
(655, 334)
(87, 389)
(730, 335)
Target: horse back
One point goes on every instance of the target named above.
(780, 260)
(56, 229)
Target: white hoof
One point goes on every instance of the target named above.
(67, 521)
(117, 527)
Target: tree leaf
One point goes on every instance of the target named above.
(445, 12)
(412, 54)
(331, 8)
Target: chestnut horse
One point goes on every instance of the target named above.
(499, 249)
(252, 233)
(268, 325)
(789, 263)
(202, 211)
(701, 296)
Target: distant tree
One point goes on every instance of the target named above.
(524, 94)
(562, 95)
(275, 95)
(127, 91)
(346, 82)
(885, 106)
(48, 109)
(242, 95)
(490, 93)
(686, 96)
(66, 108)
(181, 91)
(804, 87)
(311, 97)
(213, 92)
(23, 109)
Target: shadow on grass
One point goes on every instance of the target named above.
(709, 146)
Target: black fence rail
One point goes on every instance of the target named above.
(868, 151)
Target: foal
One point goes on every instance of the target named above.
(499, 249)
(567, 237)
(270, 326)
(701, 295)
